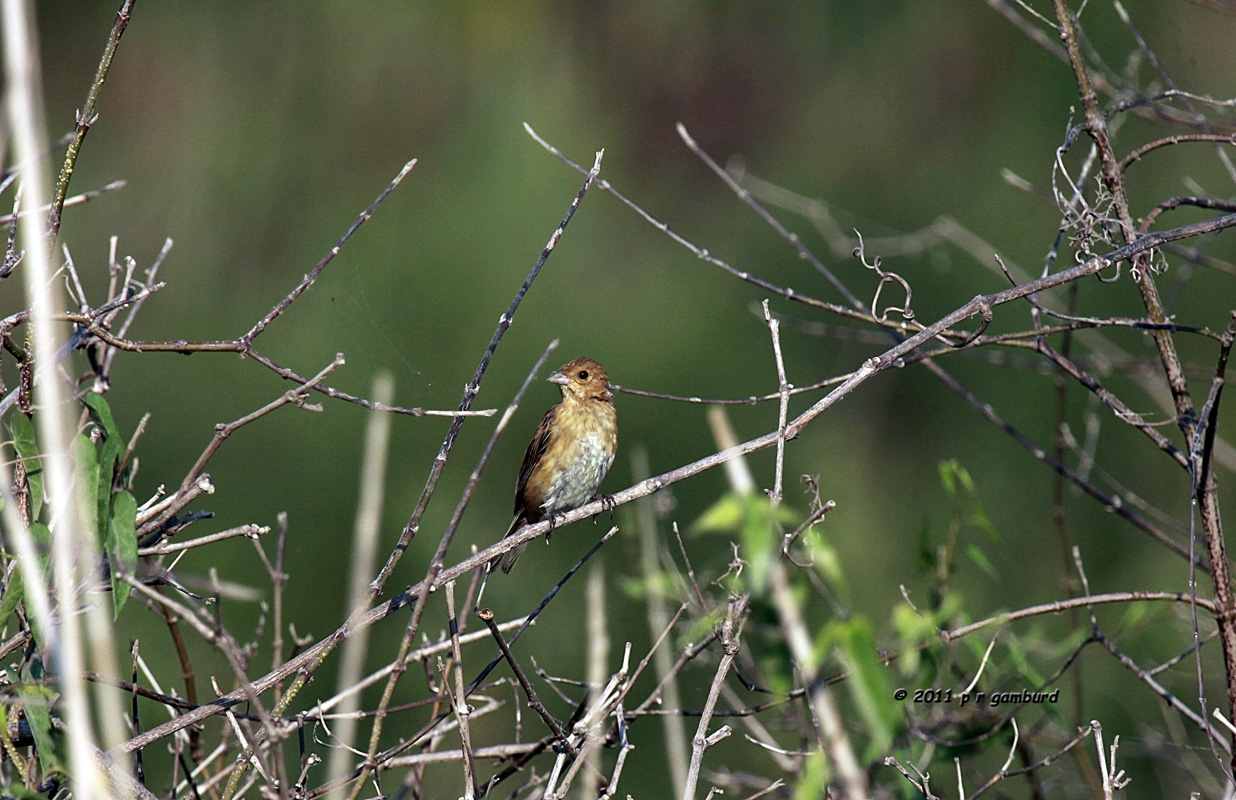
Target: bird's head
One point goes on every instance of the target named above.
(583, 379)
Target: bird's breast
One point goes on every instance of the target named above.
(587, 452)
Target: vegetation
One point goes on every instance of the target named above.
(1017, 586)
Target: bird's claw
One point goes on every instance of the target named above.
(553, 521)
(607, 504)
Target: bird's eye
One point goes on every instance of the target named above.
(583, 374)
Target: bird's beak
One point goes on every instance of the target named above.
(557, 377)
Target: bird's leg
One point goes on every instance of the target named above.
(607, 504)
(553, 520)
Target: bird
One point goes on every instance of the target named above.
(570, 453)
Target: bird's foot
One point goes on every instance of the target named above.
(553, 522)
(607, 504)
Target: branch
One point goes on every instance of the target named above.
(309, 279)
(654, 484)
(86, 117)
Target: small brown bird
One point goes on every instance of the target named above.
(570, 452)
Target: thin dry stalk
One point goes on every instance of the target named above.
(783, 389)
(658, 622)
(597, 659)
(459, 700)
(729, 633)
(851, 778)
(364, 554)
(413, 525)
(73, 543)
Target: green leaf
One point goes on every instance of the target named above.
(760, 542)
(981, 560)
(21, 793)
(814, 781)
(707, 623)
(38, 712)
(827, 562)
(751, 517)
(869, 686)
(110, 453)
(87, 458)
(1134, 615)
(108, 459)
(983, 522)
(725, 516)
(956, 478)
(101, 413)
(122, 546)
(22, 431)
(12, 596)
(658, 584)
(948, 476)
(42, 537)
(1018, 658)
(913, 630)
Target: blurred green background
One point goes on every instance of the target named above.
(253, 133)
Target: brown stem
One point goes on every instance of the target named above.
(1113, 179)
(311, 656)
(85, 118)
(309, 279)
(534, 702)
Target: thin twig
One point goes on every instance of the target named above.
(309, 279)
(470, 391)
(86, 116)
(783, 389)
(459, 701)
(413, 525)
(534, 702)
(295, 396)
(1176, 139)
(730, 629)
(75, 200)
(163, 548)
(1056, 606)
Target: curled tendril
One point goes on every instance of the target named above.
(885, 277)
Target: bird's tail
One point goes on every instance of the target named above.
(508, 559)
(505, 561)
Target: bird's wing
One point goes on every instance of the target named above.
(536, 449)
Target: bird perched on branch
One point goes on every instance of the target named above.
(569, 454)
